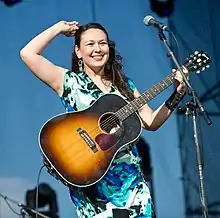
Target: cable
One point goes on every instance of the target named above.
(93, 4)
(178, 47)
(38, 181)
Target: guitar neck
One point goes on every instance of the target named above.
(148, 95)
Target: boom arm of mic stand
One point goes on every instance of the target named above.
(195, 96)
(24, 208)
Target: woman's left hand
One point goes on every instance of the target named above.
(181, 86)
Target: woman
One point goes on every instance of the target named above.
(96, 70)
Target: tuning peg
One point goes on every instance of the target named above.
(207, 66)
(196, 52)
(203, 68)
(198, 72)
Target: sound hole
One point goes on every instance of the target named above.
(109, 123)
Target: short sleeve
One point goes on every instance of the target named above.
(131, 84)
(70, 86)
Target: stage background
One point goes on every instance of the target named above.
(27, 103)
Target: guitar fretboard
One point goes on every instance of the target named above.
(148, 95)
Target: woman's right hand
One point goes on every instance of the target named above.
(68, 28)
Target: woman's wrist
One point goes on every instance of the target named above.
(176, 97)
(56, 29)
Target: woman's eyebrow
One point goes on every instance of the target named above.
(91, 40)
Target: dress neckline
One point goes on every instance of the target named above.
(112, 88)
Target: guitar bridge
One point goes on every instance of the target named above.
(85, 136)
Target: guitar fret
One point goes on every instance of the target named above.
(137, 103)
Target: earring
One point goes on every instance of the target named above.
(80, 64)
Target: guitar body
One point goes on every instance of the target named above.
(80, 146)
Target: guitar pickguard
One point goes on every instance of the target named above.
(107, 141)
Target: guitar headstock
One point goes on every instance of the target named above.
(198, 62)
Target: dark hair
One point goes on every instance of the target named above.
(114, 67)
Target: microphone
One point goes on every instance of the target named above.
(150, 21)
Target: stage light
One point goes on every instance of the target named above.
(46, 199)
(163, 8)
(11, 2)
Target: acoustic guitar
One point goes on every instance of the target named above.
(79, 147)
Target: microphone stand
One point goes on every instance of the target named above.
(192, 106)
(24, 210)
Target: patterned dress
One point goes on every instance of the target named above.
(122, 192)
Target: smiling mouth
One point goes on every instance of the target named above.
(98, 57)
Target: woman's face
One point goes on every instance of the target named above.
(94, 49)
